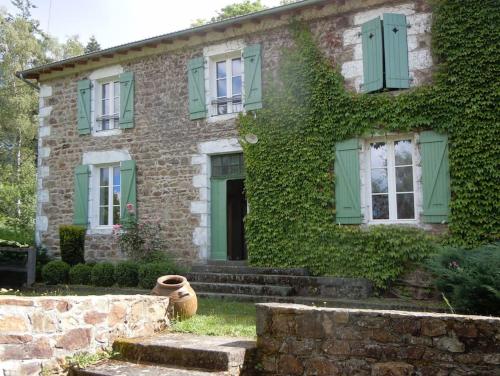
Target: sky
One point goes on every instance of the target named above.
(114, 22)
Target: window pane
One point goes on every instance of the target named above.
(104, 124)
(221, 88)
(379, 180)
(104, 179)
(380, 206)
(405, 206)
(403, 152)
(103, 216)
(221, 69)
(116, 175)
(116, 102)
(103, 196)
(378, 154)
(404, 179)
(236, 65)
(105, 91)
(116, 214)
(236, 86)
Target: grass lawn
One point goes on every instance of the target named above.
(214, 317)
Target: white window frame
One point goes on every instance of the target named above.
(213, 54)
(391, 172)
(96, 160)
(97, 78)
(114, 115)
(97, 184)
(228, 59)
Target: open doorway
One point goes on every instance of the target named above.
(228, 207)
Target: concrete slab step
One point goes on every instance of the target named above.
(207, 353)
(248, 289)
(329, 287)
(239, 269)
(369, 303)
(121, 368)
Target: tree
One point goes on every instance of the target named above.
(92, 45)
(232, 10)
(72, 47)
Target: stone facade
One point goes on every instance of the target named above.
(39, 332)
(172, 172)
(301, 340)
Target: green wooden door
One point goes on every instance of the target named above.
(218, 219)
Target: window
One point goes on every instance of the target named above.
(107, 105)
(109, 195)
(392, 180)
(228, 165)
(228, 85)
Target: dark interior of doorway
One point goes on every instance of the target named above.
(236, 211)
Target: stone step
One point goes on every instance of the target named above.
(246, 289)
(121, 368)
(369, 303)
(206, 353)
(239, 269)
(329, 287)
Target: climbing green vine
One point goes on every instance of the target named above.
(290, 180)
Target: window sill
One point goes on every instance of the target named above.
(110, 132)
(101, 230)
(225, 117)
(407, 222)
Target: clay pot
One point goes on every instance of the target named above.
(183, 302)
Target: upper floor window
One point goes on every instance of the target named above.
(107, 105)
(228, 77)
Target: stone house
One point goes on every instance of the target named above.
(152, 123)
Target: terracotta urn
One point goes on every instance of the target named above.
(183, 302)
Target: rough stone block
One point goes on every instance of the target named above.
(392, 369)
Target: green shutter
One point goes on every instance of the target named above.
(81, 195)
(196, 84)
(83, 103)
(218, 219)
(127, 100)
(253, 77)
(396, 51)
(347, 182)
(435, 176)
(373, 68)
(128, 189)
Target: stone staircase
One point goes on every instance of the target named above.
(236, 281)
(177, 354)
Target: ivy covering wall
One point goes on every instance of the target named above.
(290, 181)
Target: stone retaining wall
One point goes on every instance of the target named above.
(38, 332)
(301, 340)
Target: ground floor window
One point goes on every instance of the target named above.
(109, 195)
(391, 177)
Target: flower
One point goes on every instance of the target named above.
(454, 265)
(130, 207)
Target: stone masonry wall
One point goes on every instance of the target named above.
(39, 332)
(301, 340)
(167, 146)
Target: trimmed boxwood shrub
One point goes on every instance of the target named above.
(80, 274)
(55, 272)
(469, 279)
(126, 274)
(72, 240)
(150, 272)
(103, 274)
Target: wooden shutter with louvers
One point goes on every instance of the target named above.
(347, 182)
(396, 51)
(373, 68)
(196, 86)
(435, 176)
(253, 77)
(83, 107)
(127, 100)
(128, 190)
(81, 195)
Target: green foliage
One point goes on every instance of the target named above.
(290, 183)
(127, 274)
(150, 272)
(141, 242)
(92, 45)
(80, 274)
(72, 243)
(469, 279)
(103, 274)
(55, 272)
(233, 10)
